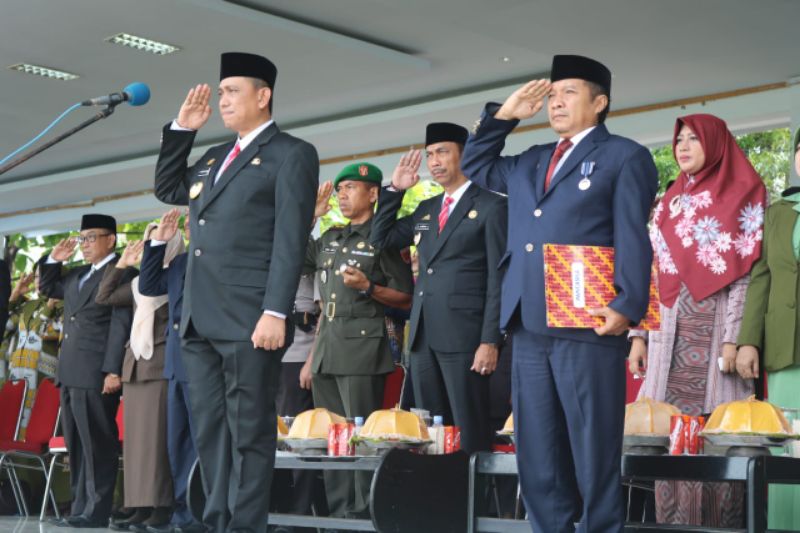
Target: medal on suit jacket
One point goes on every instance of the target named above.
(194, 191)
(587, 167)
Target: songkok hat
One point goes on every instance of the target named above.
(359, 172)
(584, 68)
(249, 65)
(438, 132)
(95, 221)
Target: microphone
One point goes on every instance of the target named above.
(135, 94)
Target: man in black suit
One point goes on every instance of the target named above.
(460, 236)
(89, 366)
(251, 203)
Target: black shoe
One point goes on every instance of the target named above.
(59, 522)
(80, 522)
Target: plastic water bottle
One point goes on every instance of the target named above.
(359, 422)
(437, 435)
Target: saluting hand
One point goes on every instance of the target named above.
(406, 173)
(132, 254)
(323, 205)
(616, 323)
(168, 226)
(23, 286)
(195, 110)
(64, 249)
(270, 333)
(525, 101)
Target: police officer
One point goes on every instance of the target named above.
(352, 356)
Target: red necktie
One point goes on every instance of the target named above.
(445, 212)
(231, 157)
(562, 147)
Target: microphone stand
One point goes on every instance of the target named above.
(16, 162)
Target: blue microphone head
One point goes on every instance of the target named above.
(138, 93)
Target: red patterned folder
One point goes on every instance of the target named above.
(578, 278)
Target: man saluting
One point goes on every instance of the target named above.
(251, 203)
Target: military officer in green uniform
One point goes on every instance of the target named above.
(351, 355)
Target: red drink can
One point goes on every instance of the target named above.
(456, 438)
(677, 435)
(333, 439)
(345, 433)
(694, 443)
(448, 439)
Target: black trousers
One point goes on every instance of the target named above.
(232, 389)
(445, 385)
(88, 421)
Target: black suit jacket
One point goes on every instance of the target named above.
(94, 335)
(458, 288)
(5, 294)
(249, 230)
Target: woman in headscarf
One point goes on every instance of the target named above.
(770, 326)
(147, 481)
(706, 234)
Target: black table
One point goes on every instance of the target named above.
(756, 472)
(409, 492)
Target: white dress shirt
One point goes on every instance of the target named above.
(575, 141)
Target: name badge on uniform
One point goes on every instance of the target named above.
(587, 167)
(203, 173)
(422, 227)
(195, 190)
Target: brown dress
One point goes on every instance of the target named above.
(147, 481)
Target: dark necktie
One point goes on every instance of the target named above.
(86, 278)
(562, 147)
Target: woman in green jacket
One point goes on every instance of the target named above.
(771, 326)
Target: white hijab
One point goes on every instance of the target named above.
(142, 339)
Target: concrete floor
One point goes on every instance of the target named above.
(13, 524)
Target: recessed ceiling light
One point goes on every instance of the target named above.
(505, 59)
(44, 72)
(143, 44)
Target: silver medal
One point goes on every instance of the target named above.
(584, 184)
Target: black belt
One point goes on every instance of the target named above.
(305, 322)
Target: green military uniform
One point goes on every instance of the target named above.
(352, 354)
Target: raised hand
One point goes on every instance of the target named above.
(132, 254)
(195, 110)
(168, 226)
(22, 287)
(64, 249)
(323, 199)
(525, 101)
(406, 173)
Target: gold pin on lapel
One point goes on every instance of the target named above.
(426, 217)
(211, 161)
(473, 214)
(256, 161)
(361, 245)
(194, 192)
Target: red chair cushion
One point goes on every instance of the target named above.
(57, 443)
(393, 387)
(12, 396)
(13, 445)
(44, 414)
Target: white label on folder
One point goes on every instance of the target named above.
(578, 286)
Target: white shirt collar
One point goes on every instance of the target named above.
(456, 196)
(103, 263)
(247, 139)
(579, 136)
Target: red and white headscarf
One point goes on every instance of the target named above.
(707, 229)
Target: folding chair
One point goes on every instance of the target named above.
(12, 404)
(41, 426)
(58, 450)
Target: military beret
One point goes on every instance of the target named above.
(249, 65)
(438, 132)
(584, 68)
(95, 221)
(359, 172)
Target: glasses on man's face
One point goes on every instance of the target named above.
(91, 238)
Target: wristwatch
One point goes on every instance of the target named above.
(368, 291)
